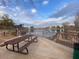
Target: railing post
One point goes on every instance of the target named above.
(18, 46)
(13, 47)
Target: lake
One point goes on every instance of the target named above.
(45, 33)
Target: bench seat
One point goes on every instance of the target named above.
(16, 41)
(26, 45)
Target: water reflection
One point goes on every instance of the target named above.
(45, 33)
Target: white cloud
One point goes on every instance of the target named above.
(23, 16)
(2, 13)
(2, 10)
(2, 7)
(5, 2)
(68, 19)
(33, 10)
(45, 2)
(67, 9)
(46, 21)
(59, 20)
(18, 14)
(18, 8)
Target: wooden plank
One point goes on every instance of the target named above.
(27, 44)
(17, 40)
(2, 44)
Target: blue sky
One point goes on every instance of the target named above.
(40, 13)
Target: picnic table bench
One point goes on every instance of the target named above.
(15, 43)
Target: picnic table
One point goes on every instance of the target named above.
(15, 43)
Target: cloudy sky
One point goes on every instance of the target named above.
(40, 13)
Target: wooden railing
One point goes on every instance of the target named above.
(67, 39)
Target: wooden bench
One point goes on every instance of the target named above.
(16, 41)
(26, 45)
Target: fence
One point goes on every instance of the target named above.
(67, 39)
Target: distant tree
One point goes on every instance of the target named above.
(31, 29)
(65, 26)
(58, 28)
(66, 23)
(6, 21)
(62, 28)
(53, 28)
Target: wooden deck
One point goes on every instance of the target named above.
(44, 49)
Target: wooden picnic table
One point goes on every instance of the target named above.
(15, 43)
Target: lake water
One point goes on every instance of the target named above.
(45, 33)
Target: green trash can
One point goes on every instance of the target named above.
(76, 51)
